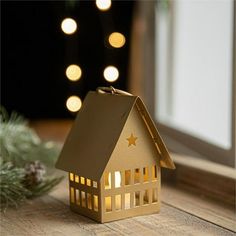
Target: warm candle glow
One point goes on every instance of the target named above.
(68, 26)
(108, 180)
(95, 202)
(108, 206)
(103, 5)
(117, 179)
(72, 195)
(127, 200)
(111, 73)
(73, 103)
(116, 40)
(118, 202)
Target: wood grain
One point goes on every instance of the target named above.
(201, 206)
(50, 215)
(182, 212)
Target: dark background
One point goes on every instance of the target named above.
(35, 53)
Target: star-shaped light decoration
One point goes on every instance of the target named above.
(132, 140)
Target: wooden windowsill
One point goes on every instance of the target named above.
(199, 205)
(204, 177)
(203, 189)
(204, 165)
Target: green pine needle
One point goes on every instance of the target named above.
(19, 145)
(45, 186)
(11, 185)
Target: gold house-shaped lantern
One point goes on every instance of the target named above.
(114, 155)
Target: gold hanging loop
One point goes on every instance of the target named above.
(112, 90)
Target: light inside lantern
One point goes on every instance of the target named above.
(76, 178)
(111, 73)
(69, 26)
(116, 40)
(83, 199)
(82, 180)
(107, 180)
(71, 177)
(95, 184)
(88, 182)
(108, 204)
(72, 195)
(73, 72)
(103, 5)
(118, 202)
(73, 103)
(95, 202)
(117, 179)
(77, 196)
(127, 200)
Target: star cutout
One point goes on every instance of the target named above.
(132, 140)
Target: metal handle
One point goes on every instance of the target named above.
(112, 90)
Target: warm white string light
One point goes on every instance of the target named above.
(69, 26)
(73, 72)
(73, 103)
(116, 40)
(103, 5)
(111, 73)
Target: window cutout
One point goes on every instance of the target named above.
(137, 199)
(95, 184)
(145, 197)
(95, 202)
(127, 177)
(82, 180)
(137, 176)
(76, 178)
(117, 179)
(107, 180)
(83, 199)
(77, 197)
(108, 204)
(72, 195)
(89, 201)
(154, 195)
(71, 177)
(127, 200)
(88, 182)
(145, 174)
(154, 173)
(118, 202)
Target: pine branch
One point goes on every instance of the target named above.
(23, 161)
(45, 186)
(20, 144)
(11, 185)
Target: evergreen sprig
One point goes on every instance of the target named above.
(20, 144)
(11, 185)
(20, 147)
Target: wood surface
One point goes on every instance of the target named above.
(201, 206)
(51, 215)
(182, 212)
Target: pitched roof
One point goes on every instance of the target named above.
(96, 131)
